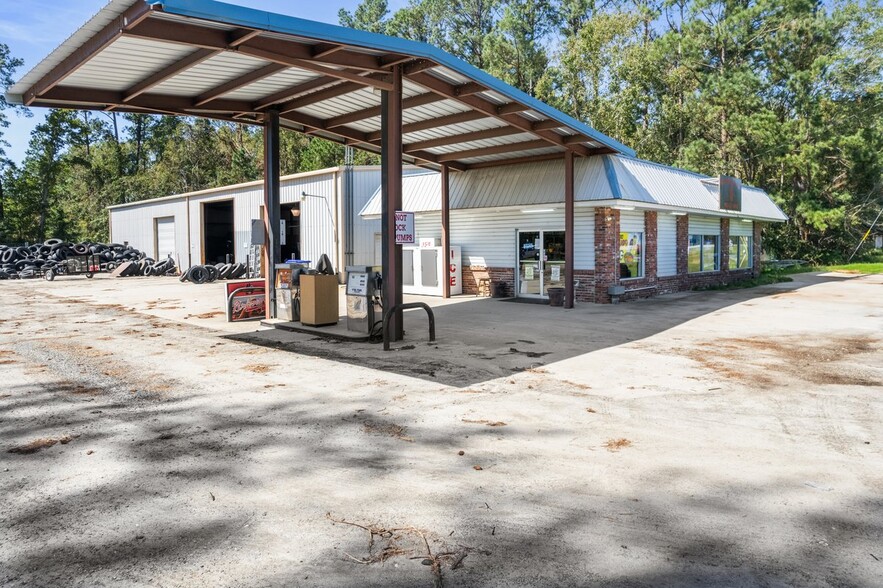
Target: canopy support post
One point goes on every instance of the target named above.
(391, 192)
(568, 230)
(272, 209)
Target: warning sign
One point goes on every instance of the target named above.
(405, 228)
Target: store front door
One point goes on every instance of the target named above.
(541, 257)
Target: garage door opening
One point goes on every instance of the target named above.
(164, 238)
(217, 231)
(290, 239)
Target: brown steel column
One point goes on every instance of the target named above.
(568, 230)
(391, 192)
(272, 211)
(446, 228)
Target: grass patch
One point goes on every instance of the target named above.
(856, 268)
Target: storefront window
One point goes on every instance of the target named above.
(702, 253)
(631, 255)
(740, 252)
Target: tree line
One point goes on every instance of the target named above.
(785, 94)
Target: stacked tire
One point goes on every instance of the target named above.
(30, 261)
(204, 274)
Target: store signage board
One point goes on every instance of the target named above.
(730, 189)
(405, 228)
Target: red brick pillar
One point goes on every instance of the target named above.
(683, 242)
(725, 245)
(650, 258)
(606, 252)
(755, 265)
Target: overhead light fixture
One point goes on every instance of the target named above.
(619, 207)
(678, 213)
(747, 220)
(527, 210)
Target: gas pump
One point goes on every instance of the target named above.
(364, 307)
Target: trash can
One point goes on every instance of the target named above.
(498, 289)
(556, 296)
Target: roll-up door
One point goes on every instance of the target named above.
(165, 237)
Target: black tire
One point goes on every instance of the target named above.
(89, 275)
(226, 271)
(51, 242)
(198, 274)
(49, 275)
(80, 249)
(213, 273)
(8, 255)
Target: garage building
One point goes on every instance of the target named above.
(319, 215)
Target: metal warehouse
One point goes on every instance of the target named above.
(319, 215)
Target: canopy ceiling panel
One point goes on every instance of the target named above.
(270, 85)
(208, 74)
(206, 58)
(124, 63)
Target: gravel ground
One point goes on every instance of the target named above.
(713, 439)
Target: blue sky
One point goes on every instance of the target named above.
(33, 28)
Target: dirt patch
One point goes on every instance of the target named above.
(484, 422)
(206, 315)
(387, 429)
(765, 362)
(616, 444)
(258, 368)
(41, 444)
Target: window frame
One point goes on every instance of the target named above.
(745, 248)
(702, 245)
(641, 259)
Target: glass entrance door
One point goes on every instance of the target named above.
(541, 257)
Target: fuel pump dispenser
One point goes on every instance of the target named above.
(364, 307)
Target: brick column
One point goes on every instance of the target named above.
(683, 241)
(725, 245)
(606, 252)
(755, 266)
(650, 258)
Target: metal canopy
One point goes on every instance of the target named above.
(215, 60)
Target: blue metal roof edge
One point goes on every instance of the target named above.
(213, 10)
(610, 172)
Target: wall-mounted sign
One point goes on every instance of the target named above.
(730, 189)
(405, 228)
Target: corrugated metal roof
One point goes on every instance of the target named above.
(119, 55)
(654, 183)
(639, 182)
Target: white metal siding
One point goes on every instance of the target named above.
(741, 229)
(704, 225)
(584, 239)
(365, 182)
(631, 221)
(488, 237)
(135, 225)
(165, 237)
(666, 245)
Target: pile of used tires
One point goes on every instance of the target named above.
(31, 261)
(203, 274)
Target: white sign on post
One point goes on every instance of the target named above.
(404, 228)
